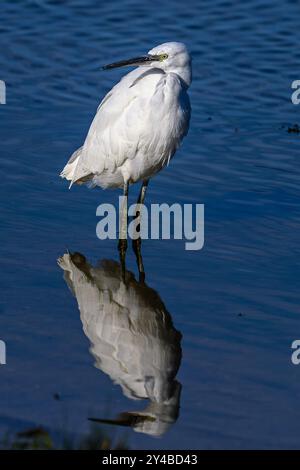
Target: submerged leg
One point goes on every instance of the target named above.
(123, 227)
(136, 244)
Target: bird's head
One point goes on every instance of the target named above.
(169, 57)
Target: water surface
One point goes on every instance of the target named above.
(236, 302)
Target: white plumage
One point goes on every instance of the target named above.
(140, 122)
(132, 338)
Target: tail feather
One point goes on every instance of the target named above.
(69, 170)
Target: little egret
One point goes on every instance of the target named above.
(138, 126)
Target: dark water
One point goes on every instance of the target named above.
(236, 302)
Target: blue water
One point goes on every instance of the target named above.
(236, 302)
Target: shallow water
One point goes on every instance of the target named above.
(236, 302)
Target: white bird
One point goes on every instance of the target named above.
(138, 126)
(132, 337)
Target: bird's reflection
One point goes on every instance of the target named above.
(132, 337)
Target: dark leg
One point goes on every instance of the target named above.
(122, 246)
(143, 190)
(136, 244)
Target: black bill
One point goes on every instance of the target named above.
(136, 61)
(125, 419)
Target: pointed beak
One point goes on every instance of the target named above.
(134, 62)
(125, 419)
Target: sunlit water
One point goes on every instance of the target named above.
(236, 302)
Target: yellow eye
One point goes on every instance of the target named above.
(163, 57)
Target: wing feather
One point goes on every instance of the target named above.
(117, 127)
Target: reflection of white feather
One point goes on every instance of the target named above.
(132, 336)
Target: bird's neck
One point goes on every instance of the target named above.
(185, 74)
